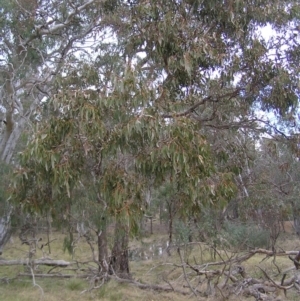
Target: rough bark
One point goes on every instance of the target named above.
(171, 216)
(119, 261)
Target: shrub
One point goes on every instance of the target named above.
(182, 232)
(245, 236)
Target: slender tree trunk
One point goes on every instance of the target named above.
(161, 209)
(119, 262)
(49, 230)
(170, 229)
(102, 250)
(170, 224)
(297, 224)
(5, 229)
(170, 209)
(296, 218)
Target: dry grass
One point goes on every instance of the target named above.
(158, 271)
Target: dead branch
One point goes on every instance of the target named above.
(228, 272)
(248, 255)
(35, 284)
(53, 275)
(147, 286)
(229, 269)
(274, 283)
(273, 253)
(296, 260)
(47, 262)
(184, 272)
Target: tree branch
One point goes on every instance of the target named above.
(45, 29)
(214, 98)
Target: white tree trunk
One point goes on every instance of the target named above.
(9, 142)
(10, 136)
(5, 230)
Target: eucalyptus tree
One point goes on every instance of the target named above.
(188, 72)
(211, 62)
(39, 40)
(103, 143)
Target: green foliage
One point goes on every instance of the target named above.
(182, 233)
(85, 136)
(274, 188)
(208, 225)
(245, 236)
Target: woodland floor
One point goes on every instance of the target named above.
(149, 264)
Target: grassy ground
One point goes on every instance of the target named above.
(14, 287)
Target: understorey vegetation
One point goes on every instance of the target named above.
(184, 271)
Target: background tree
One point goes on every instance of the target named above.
(274, 188)
(39, 41)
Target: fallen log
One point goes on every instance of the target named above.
(53, 275)
(272, 253)
(147, 286)
(47, 262)
(246, 256)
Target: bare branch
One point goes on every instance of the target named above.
(213, 98)
(45, 29)
(184, 272)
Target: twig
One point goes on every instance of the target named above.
(224, 298)
(184, 272)
(35, 284)
(166, 280)
(274, 283)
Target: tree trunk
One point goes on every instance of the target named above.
(7, 146)
(5, 230)
(102, 250)
(296, 217)
(11, 136)
(11, 132)
(297, 224)
(170, 229)
(170, 222)
(119, 261)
